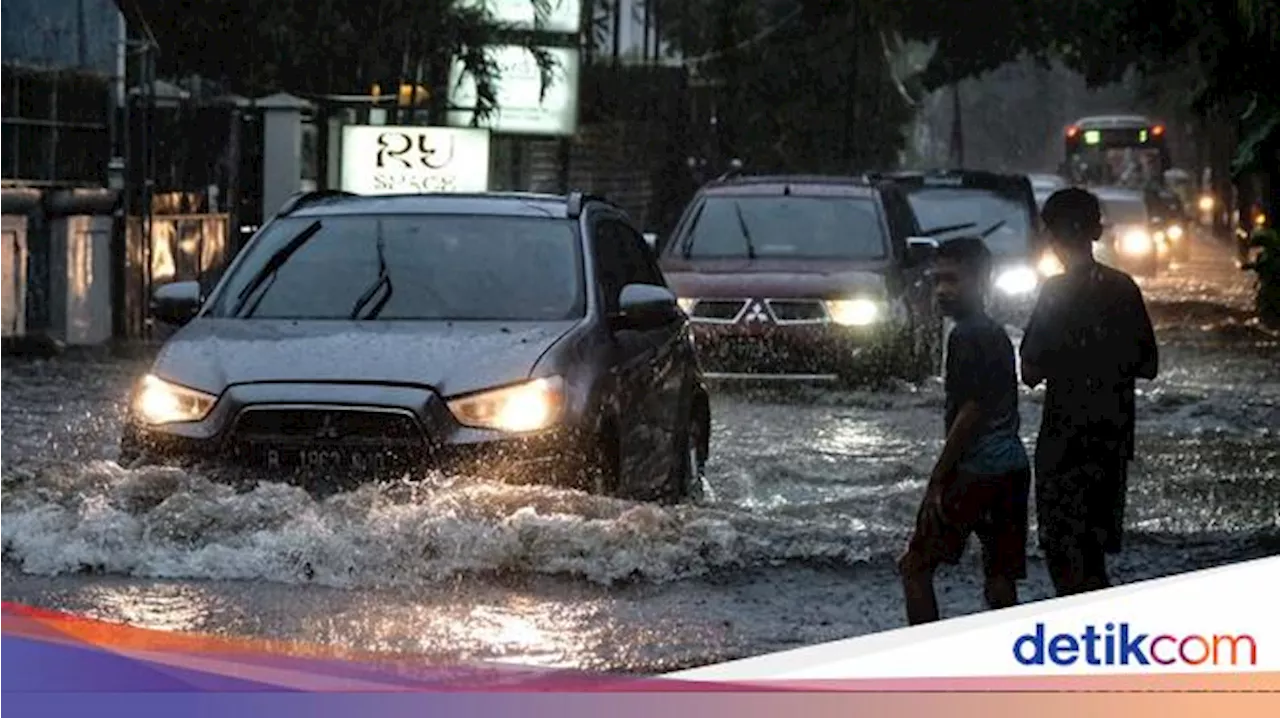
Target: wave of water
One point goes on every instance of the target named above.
(168, 523)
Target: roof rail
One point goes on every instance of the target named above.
(303, 199)
(579, 199)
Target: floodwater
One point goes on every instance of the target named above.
(813, 495)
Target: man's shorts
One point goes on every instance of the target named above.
(992, 506)
(1080, 506)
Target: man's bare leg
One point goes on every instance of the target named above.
(917, 588)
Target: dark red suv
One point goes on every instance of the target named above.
(811, 278)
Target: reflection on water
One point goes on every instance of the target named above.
(163, 607)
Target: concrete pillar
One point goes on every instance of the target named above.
(281, 149)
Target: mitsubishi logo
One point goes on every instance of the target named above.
(327, 430)
(757, 313)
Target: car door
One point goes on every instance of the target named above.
(633, 357)
(670, 362)
(915, 280)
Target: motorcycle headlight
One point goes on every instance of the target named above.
(1049, 265)
(530, 406)
(854, 312)
(1019, 280)
(160, 402)
(1136, 241)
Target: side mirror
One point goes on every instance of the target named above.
(920, 250)
(176, 303)
(645, 306)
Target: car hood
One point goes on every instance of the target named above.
(777, 278)
(450, 357)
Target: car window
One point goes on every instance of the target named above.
(436, 267)
(938, 207)
(792, 226)
(1118, 210)
(621, 259)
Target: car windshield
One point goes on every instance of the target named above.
(951, 206)
(1117, 210)
(786, 227)
(424, 267)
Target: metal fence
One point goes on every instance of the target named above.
(181, 248)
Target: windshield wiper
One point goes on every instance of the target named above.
(991, 230)
(273, 264)
(746, 233)
(384, 280)
(950, 228)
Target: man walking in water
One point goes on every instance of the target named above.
(1089, 337)
(982, 478)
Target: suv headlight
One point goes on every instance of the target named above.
(1049, 265)
(1136, 241)
(530, 406)
(160, 402)
(686, 304)
(854, 312)
(1018, 280)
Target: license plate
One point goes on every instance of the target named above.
(323, 459)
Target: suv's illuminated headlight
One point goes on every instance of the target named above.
(1137, 242)
(1049, 265)
(530, 406)
(1018, 280)
(686, 304)
(160, 402)
(854, 312)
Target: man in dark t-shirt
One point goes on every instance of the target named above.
(1089, 337)
(981, 481)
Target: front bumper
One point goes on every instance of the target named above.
(802, 352)
(336, 434)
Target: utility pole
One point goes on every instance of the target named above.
(957, 129)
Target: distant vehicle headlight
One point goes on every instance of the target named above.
(1136, 241)
(687, 304)
(1206, 203)
(530, 406)
(854, 312)
(1175, 232)
(1019, 280)
(162, 402)
(1049, 265)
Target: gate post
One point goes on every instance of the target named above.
(281, 149)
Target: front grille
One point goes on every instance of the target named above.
(328, 426)
(797, 310)
(718, 310)
(769, 356)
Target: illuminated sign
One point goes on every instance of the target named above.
(563, 16)
(380, 159)
(522, 108)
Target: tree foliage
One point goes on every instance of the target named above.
(255, 47)
(797, 86)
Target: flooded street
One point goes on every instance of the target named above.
(813, 493)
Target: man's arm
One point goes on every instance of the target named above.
(1036, 343)
(959, 436)
(1148, 364)
(969, 374)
